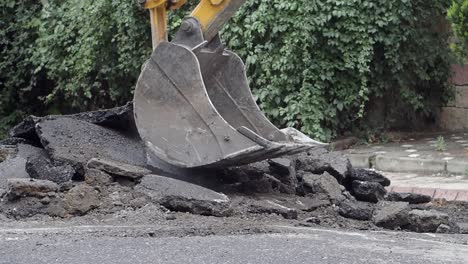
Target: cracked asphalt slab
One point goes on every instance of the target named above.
(284, 244)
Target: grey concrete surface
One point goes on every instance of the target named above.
(426, 154)
(94, 244)
(425, 165)
(421, 180)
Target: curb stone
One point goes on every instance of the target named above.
(403, 164)
(449, 195)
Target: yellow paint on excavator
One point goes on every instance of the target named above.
(207, 11)
(211, 14)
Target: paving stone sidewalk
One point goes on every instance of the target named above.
(428, 154)
(436, 165)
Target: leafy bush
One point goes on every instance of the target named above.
(458, 14)
(18, 31)
(92, 50)
(67, 56)
(315, 65)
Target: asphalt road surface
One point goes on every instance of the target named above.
(122, 244)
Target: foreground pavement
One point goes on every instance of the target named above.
(134, 244)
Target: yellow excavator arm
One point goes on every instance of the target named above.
(211, 14)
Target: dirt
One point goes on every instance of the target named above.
(183, 224)
(302, 190)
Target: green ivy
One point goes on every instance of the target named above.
(92, 50)
(458, 14)
(18, 31)
(318, 65)
(315, 64)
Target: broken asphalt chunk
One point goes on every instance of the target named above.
(270, 207)
(120, 117)
(369, 176)
(391, 215)
(95, 177)
(26, 129)
(285, 171)
(323, 184)
(118, 168)
(81, 199)
(39, 166)
(17, 188)
(356, 210)
(182, 196)
(320, 160)
(76, 142)
(368, 191)
(426, 221)
(412, 198)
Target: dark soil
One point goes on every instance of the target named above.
(316, 188)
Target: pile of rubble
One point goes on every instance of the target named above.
(94, 162)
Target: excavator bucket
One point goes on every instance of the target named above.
(193, 107)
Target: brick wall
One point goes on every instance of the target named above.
(454, 116)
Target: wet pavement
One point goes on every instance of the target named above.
(444, 152)
(435, 164)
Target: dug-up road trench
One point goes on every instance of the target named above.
(79, 189)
